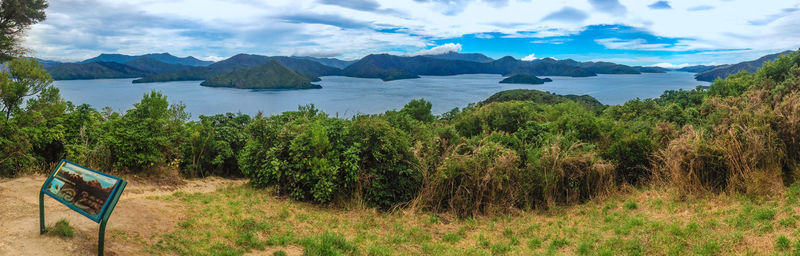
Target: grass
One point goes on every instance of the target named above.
(237, 220)
(61, 228)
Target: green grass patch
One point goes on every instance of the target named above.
(61, 228)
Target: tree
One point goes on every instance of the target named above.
(25, 77)
(419, 109)
(15, 17)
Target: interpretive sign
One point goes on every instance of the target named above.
(91, 193)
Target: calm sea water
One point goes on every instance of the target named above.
(347, 96)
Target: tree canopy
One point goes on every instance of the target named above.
(15, 17)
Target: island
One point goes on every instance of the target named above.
(525, 79)
(270, 75)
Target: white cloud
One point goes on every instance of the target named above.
(78, 29)
(530, 57)
(441, 49)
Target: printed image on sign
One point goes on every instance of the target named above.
(84, 189)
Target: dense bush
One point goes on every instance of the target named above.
(213, 144)
(304, 153)
(146, 136)
(475, 177)
(385, 174)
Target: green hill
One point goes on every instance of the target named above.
(95, 70)
(271, 75)
(154, 66)
(524, 79)
(162, 57)
(543, 98)
(650, 69)
(390, 67)
(308, 68)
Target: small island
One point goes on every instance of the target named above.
(271, 75)
(525, 79)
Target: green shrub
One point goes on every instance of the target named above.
(476, 177)
(384, 168)
(565, 172)
(148, 135)
(504, 116)
(61, 228)
(305, 154)
(419, 109)
(632, 156)
(213, 145)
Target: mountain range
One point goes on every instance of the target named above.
(163, 67)
(308, 68)
(133, 68)
(162, 57)
(724, 71)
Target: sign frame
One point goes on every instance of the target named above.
(102, 215)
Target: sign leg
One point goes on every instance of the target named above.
(41, 212)
(101, 238)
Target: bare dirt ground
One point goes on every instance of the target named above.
(134, 223)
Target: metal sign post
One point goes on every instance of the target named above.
(91, 193)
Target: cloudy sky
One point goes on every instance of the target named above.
(634, 32)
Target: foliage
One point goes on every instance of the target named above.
(305, 153)
(386, 176)
(16, 17)
(147, 135)
(519, 149)
(213, 145)
(419, 109)
(24, 78)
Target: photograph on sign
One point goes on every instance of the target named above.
(84, 189)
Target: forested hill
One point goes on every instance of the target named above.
(541, 97)
(162, 57)
(724, 71)
(138, 67)
(333, 62)
(308, 68)
(524, 79)
(94, 70)
(390, 67)
(271, 75)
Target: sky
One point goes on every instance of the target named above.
(633, 32)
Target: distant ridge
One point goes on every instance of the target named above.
(391, 67)
(331, 62)
(94, 70)
(474, 57)
(697, 68)
(724, 71)
(162, 57)
(308, 68)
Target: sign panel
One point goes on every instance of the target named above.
(84, 190)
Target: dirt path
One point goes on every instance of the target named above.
(135, 220)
